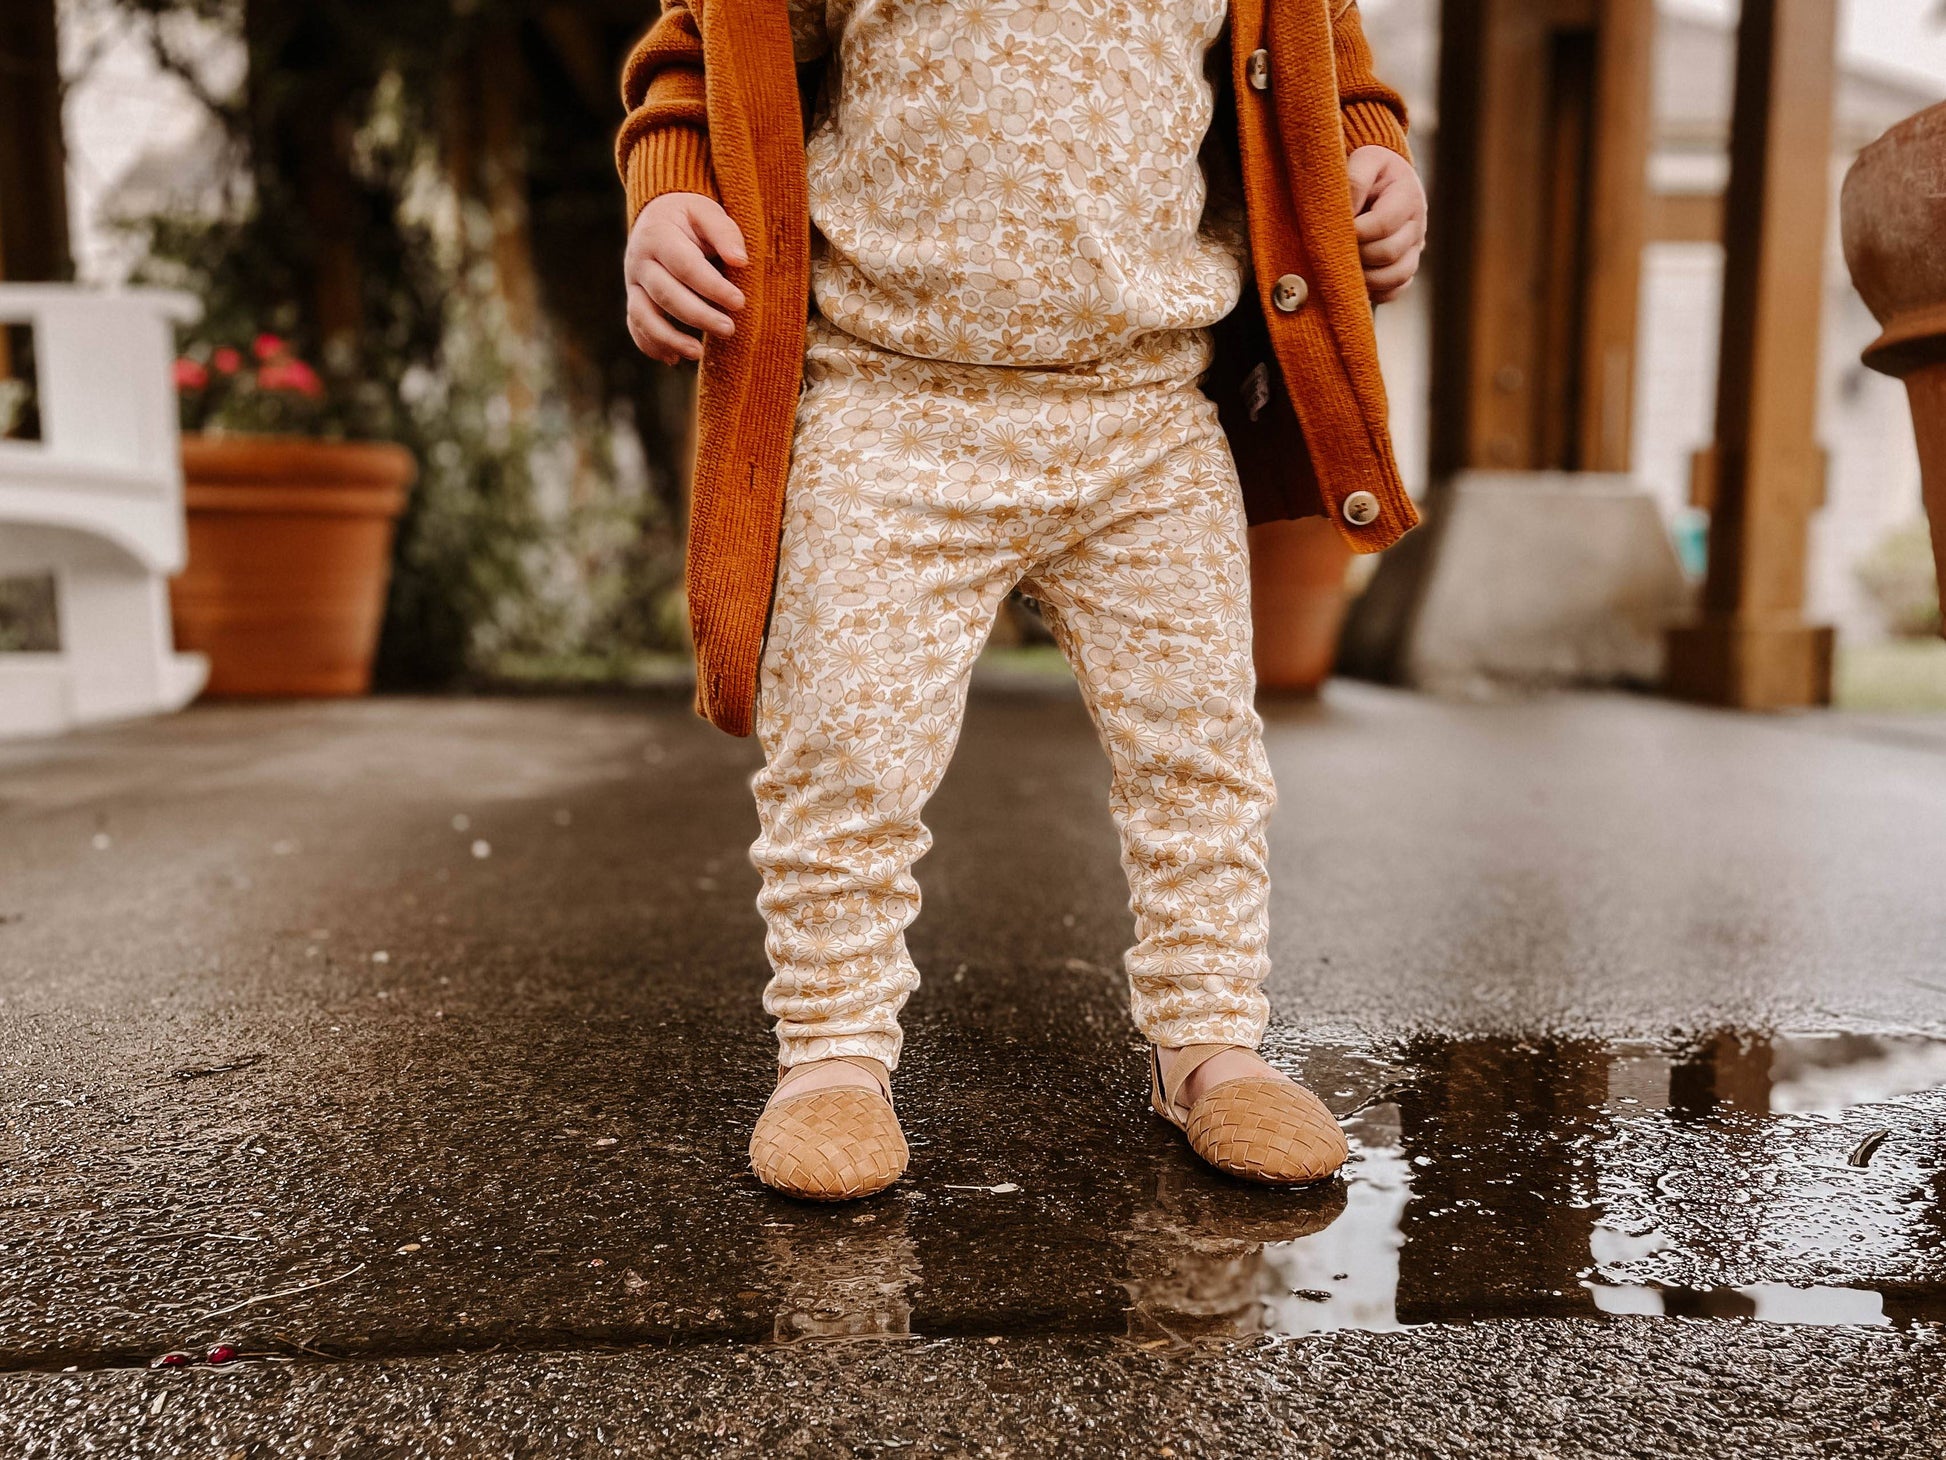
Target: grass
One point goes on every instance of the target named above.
(1900, 676)
(639, 670)
(1028, 659)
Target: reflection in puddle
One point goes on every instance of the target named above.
(858, 1282)
(1572, 1178)
(1827, 1074)
(1348, 1275)
(1197, 1257)
(1490, 1179)
(1765, 1302)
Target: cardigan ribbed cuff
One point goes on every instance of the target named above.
(1373, 124)
(667, 160)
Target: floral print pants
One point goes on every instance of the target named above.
(921, 493)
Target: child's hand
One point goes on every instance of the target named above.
(1390, 208)
(672, 281)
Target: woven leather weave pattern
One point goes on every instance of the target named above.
(829, 1145)
(1266, 1130)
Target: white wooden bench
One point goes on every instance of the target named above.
(97, 503)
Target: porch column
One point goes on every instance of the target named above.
(1542, 561)
(1763, 476)
(33, 162)
(1539, 215)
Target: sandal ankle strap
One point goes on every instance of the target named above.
(1189, 1059)
(789, 1075)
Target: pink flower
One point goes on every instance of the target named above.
(227, 361)
(190, 374)
(292, 375)
(269, 347)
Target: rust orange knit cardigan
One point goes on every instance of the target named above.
(714, 107)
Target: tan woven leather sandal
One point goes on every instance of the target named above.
(1257, 1128)
(832, 1144)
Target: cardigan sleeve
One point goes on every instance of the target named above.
(1374, 113)
(663, 146)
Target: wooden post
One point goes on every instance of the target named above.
(1486, 195)
(1540, 209)
(485, 121)
(301, 92)
(1764, 475)
(1617, 228)
(1540, 214)
(33, 161)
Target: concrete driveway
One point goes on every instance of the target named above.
(408, 1048)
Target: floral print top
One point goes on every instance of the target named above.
(1015, 182)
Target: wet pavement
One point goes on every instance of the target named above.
(409, 1047)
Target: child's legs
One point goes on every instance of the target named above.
(890, 572)
(1152, 607)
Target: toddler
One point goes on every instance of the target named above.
(1089, 287)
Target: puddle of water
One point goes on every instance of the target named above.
(1826, 1074)
(1509, 1179)
(1765, 1302)
(1490, 1179)
(1348, 1275)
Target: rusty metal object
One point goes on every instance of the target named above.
(1894, 211)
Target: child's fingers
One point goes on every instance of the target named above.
(1380, 252)
(690, 267)
(1364, 168)
(719, 231)
(654, 336)
(641, 330)
(1390, 211)
(680, 302)
(1386, 282)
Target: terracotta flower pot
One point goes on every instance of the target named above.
(1894, 212)
(1297, 601)
(290, 550)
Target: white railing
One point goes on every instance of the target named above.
(97, 503)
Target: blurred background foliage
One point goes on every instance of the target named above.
(420, 196)
(1898, 577)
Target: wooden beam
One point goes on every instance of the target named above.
(1752, 648)
(1540, 209)
(1685, 218)
(1568, 131)
(1540, 197)
(1615, 208)
(33, 160)
(300, 97)
(1451, 268)
(1491, 155)
(486, 158)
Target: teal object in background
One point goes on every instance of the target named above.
(1691, 531)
